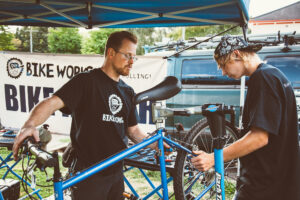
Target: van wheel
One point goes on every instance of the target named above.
(188, 181)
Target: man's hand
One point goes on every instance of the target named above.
(204, 161)
(166, 146)
(22, 135)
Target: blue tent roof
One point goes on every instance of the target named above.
(123, 14)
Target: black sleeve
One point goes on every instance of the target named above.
(72, 92)
(266, 106)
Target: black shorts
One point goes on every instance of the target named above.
(104, 187)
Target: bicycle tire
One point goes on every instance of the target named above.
(200, 138)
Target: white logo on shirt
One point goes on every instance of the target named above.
(115, 104)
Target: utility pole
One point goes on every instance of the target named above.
(183, 33)
(31, 41)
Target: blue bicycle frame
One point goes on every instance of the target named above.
(60, 185)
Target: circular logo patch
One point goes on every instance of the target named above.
(14, 67)
(212, 108)
(115, 104)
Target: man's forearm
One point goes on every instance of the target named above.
(38, 115)
(42, 111)
(253, 140)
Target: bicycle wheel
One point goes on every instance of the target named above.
(188, 181)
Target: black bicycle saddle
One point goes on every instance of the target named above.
(168, 88)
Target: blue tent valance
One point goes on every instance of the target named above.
(122, 14)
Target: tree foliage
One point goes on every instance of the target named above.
(6, 39)
(146, 36)
(201, 31)
(95, 43)
(39, 39)
(64, 40)
(23, 37)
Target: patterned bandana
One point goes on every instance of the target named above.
(229, 43)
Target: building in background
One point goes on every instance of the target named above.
(286, 19)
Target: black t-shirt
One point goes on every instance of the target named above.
(101, 109)
(271, 172)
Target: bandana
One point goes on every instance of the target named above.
(229, 43)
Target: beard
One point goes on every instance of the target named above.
(124, 71)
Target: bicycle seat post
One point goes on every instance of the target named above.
(158, 112)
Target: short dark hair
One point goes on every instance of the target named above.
(115, 40)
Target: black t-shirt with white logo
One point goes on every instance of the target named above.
(272, 172)
(102, 110)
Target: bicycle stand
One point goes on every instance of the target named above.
(6, 140)
(145, 160)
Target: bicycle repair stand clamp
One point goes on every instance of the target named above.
(215, 114)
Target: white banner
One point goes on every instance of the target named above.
(27, 79)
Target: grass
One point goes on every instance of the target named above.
(65, 140)
(142, 187)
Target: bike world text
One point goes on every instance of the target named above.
(23, 98)
(50, 70)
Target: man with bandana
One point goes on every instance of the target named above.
(268, 145)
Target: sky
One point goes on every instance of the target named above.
(259, 7)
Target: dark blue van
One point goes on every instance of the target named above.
(202, 81)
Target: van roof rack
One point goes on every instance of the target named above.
(286, 38)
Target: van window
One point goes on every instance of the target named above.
(201, 71)
(289, 65)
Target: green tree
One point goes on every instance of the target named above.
(146, 36)
(95, 43)
(6, 39)
(39, 39)
(23, 37)
(201, 31)
(64, 40)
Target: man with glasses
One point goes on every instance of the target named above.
(268, 145)
(103, 115)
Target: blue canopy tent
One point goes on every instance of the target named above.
(123, 14)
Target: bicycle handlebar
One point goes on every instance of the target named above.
(44, 157)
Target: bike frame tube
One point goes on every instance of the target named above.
(157, 189)
(130, 187)
(162, 164)
(108, 162)
(171, 143)
(219, 168)
(150, 182)
(205, 191)
(58, 191)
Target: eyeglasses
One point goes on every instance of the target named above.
(127, 56)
